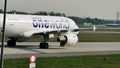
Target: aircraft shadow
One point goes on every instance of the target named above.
(33, 47)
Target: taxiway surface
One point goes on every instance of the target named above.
(25, 49)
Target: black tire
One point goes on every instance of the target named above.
(62, 44)
(11, 43)
(44, 45)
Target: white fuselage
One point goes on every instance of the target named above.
(17, 24)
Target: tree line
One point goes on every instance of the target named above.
(78, 20)
(94, 21)
(36, 13)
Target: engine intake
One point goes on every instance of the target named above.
(69, 39)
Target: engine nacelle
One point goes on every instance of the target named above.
(69, 39)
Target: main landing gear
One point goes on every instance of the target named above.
(11, 42)
(44, 45)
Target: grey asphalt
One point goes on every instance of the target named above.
(25, 49)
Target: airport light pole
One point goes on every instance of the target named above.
(3, 35)
(117, 17)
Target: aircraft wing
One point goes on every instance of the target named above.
(55, 32)
(37, 32)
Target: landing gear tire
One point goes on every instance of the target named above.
(44, 45)
(62, 44)
(11, 43)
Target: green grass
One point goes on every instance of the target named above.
(86, 37)
(98, 37)
(103, 61)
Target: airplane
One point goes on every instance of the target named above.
(20, 28)
(113, 25)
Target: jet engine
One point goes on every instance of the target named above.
(69, 39)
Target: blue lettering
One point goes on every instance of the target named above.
(40, 23)
(58, 24)
(67, 24)
(35, 24)
(46, 25)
